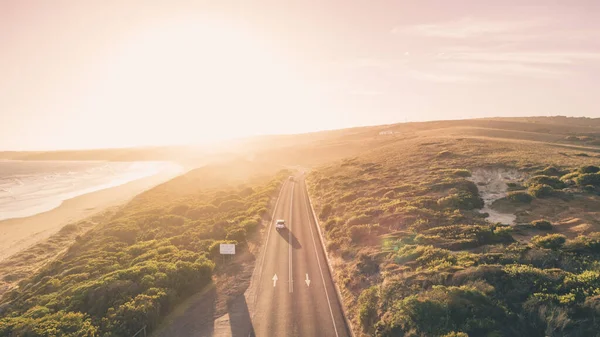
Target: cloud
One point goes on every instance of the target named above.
(367, 92)
(366, 63)
(510, 69)
(468, 28)
(468, 49)
(555, 58)
(440, 76)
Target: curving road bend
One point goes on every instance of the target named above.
(295, 293)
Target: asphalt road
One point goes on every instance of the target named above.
(296, 294)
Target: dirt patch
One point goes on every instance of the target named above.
(578, 216)
(492, 184)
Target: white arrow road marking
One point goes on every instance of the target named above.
(275, 280)
(307, 281)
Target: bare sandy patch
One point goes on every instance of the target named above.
(492, 184)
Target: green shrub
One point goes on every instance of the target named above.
(589, 243)
(367, 264)
(60, 323)
(464, 173)
(367, 308)
(444, 153)
(350, 196)
(455, 334)
(461, 200)
(237, 234)
(588, 179)
(199, 211)
(515, 187)
(541, 191)
(229, 205)
(250, 225)
(443, 310)
(358, 232)
(325, 212)
(553, 182)
(589, 169)
(552, 171)
(550, 241)
(359, 220)
(329, 224)
(542, 224)
(179, 209)
(519, 197)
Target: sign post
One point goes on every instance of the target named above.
(227, 249)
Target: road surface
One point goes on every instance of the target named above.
(296, 294)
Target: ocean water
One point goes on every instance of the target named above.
(31, 187)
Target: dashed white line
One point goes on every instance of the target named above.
(262, 261)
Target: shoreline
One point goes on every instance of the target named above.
(18, 234)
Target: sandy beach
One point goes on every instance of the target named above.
(21, 233)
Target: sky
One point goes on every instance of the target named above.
(104, 73)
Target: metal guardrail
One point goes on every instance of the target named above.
(143, 329)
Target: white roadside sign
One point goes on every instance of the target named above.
(227, 248)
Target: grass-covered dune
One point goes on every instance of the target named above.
(414, 256)
(132, 269)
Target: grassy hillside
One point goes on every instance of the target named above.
(132, 269)
(414, 256)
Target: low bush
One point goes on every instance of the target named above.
(569, 177)
(552, 171)
(464, 173)
(585, 179)
(553, 182)
(367, 308)
(515, 187)
(455, 334)
(589, 243)
(237, 234)
(444, 153)
(550, 241)
(359, 220)
(519, 197)
(367, 264)
(461, 200)
(542, 224)
(350, 196)
(325, 212)
(541, 191)
(589, 169)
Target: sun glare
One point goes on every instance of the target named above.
(197, 81)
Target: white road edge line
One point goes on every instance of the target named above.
(291, 285)
(264, 251)
(312, 233)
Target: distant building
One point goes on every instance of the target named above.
(386, 132)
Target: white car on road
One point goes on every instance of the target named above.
(280, 224)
